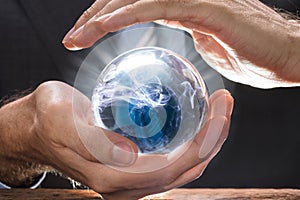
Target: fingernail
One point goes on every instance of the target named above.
(123, 154)
(72, 47)
(68, 41)
(212, 136)
(221, 107)
(67, 36)
(85, 35)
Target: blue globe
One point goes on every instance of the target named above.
(144, 113)
(152, 96)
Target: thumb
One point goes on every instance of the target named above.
(107, 147)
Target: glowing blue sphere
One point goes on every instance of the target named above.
(152, 96)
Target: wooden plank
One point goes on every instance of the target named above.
(47, 194)
(227, 194)
(177, 194)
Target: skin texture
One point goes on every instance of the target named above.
(245, 41)
(42, 132)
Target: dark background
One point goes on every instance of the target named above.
(263, 147)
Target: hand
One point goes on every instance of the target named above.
(122, 185)
(64, 122)
(42, 129)
(71, 159)
(51, 139)
(246, 41)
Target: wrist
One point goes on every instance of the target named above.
(16, 122)
(18, 164)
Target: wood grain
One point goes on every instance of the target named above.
(177, 194)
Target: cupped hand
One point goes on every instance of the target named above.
(60, 131)
(245, 41)
(58, 144)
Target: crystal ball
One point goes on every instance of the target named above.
(152, 96)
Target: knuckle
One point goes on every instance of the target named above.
(87, 14)
(83, 18)
(108, 8)
(129, 8)
(52, 95)
(95, 26)
(132, 9)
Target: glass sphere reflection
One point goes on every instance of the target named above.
(152, 96)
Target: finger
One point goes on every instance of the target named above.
(87, 15)
(189, 176)
(156, 182)
(86, 35)
(210, 133)
(106, 146)
(97, 10)
(221, 107)
(221, 104)
(138, 12)
(212, 138)
(211, 145)
(114, 5)
(100, 177)
(183, 179)
(214, 132)
(94, 142)
(188, 160)
(146, 11)
(136, 186)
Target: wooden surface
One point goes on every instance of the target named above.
(177, 194)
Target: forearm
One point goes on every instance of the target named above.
(18, 162)
(293, 64)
